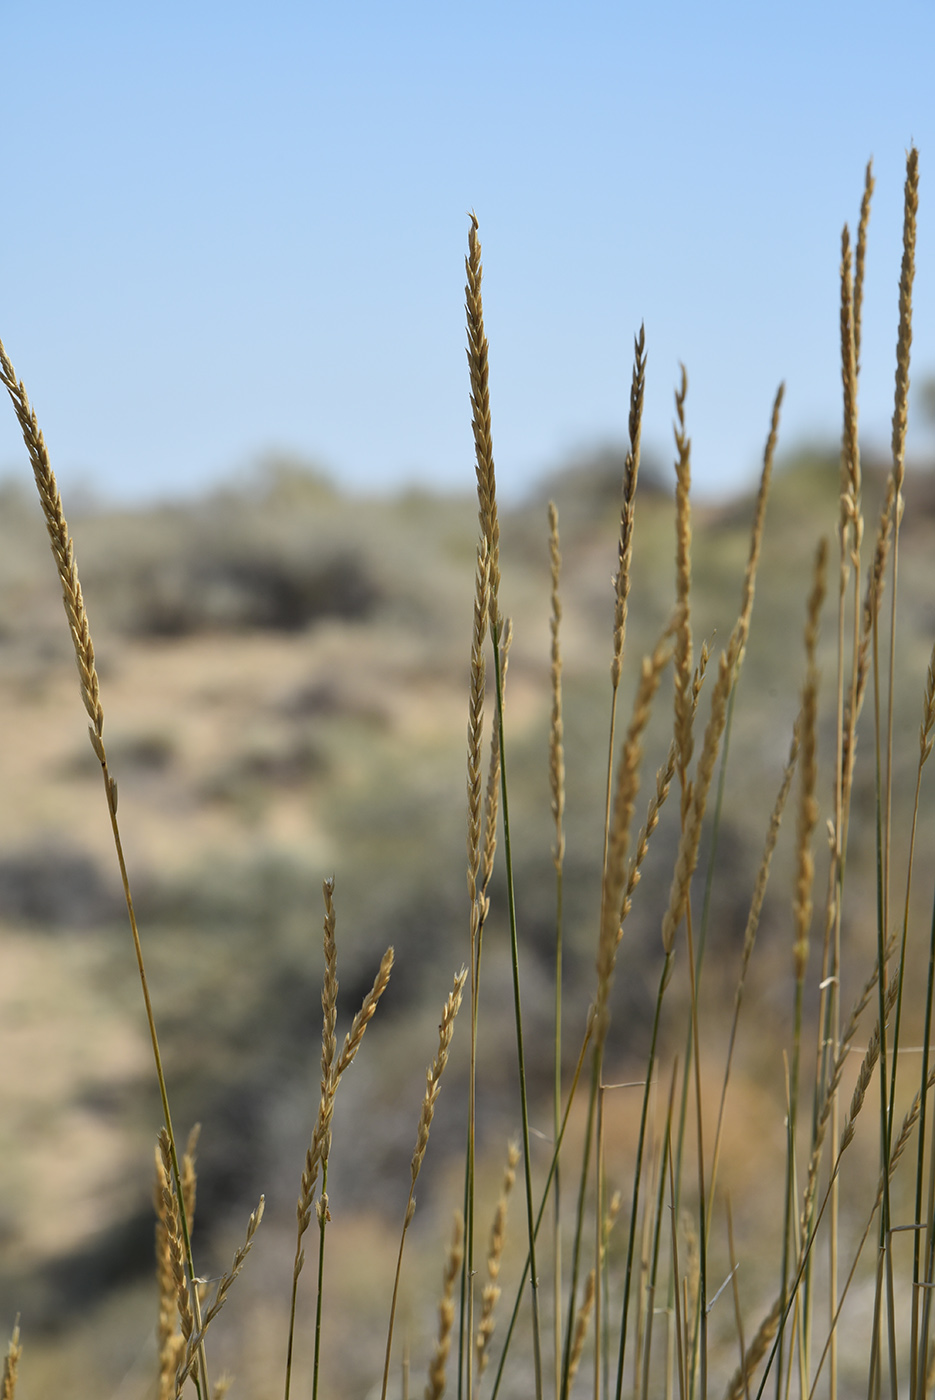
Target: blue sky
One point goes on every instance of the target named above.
(231, 231)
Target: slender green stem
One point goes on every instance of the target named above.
(322, 1223)
(518, 1014)
(553, 1167)
(638, 1170)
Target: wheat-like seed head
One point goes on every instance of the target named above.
(170, 1344)
(664, 778)
(739, 1384)
(434, 1074)
(928, 712)
(687, 858)
(627, 788)
(476, 716)
(683, 583)
(480, 406)
(860, 258)
(189, 1176)
(808, 769)
(189, 1365)
(769, 847)
(850, 451)
(865, 1073)
(492, 790)
(627, 510)
(904, 337)
(759, 518)
(556, 728)
(62, 549)
(491, 1293)
(11, 1364)
(173, 1227)
(446, 1312)
(365, 1015)
(582, 1322)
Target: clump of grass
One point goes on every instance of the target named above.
(681, 1252)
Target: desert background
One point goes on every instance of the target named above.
(284, 672)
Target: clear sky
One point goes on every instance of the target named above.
(231, 229)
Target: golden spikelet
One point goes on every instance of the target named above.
(195, 1341)
(11, 1364)
(928, 712)
(582, 1322)
(176, 1249)
(687, 858)
(627, 510)
(683, 583)
(850, 450)
(189, 1175)
(446, 1312)
(628, 782)
(664, 778)
(865, 1073)
(556, 728)
(808, 769)
(759, 519)
(755, 1352)
(433, 1079)
(62, 549)
(860, 258)
(169, 1343)
(331, 1070)
(904, 337)
(364, 1016)
(480, 406)
(492, 790)
(769, 847)
(476, 718)
(491, 1293)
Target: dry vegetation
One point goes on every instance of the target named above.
(696, 977)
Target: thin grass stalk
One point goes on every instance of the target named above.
(753, 922)
(595, 1273)
(696, 960)
(700, 1332)
(925, 749)
(550, 1176)
(491, 1293)
(518, 1015)
(624, 563)
(76, 614)
(664, 978)
(735, 1292)
(665, 1167)
(900, 419)
(782, 1307)
(614, 905)
(802, 902)
(478, 905)
(681, 1357)
(557, 787)
(901, 1142)
(928, 1272)
(610, 1219)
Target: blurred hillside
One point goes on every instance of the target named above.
(284, 675)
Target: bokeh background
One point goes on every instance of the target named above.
(233, 283)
